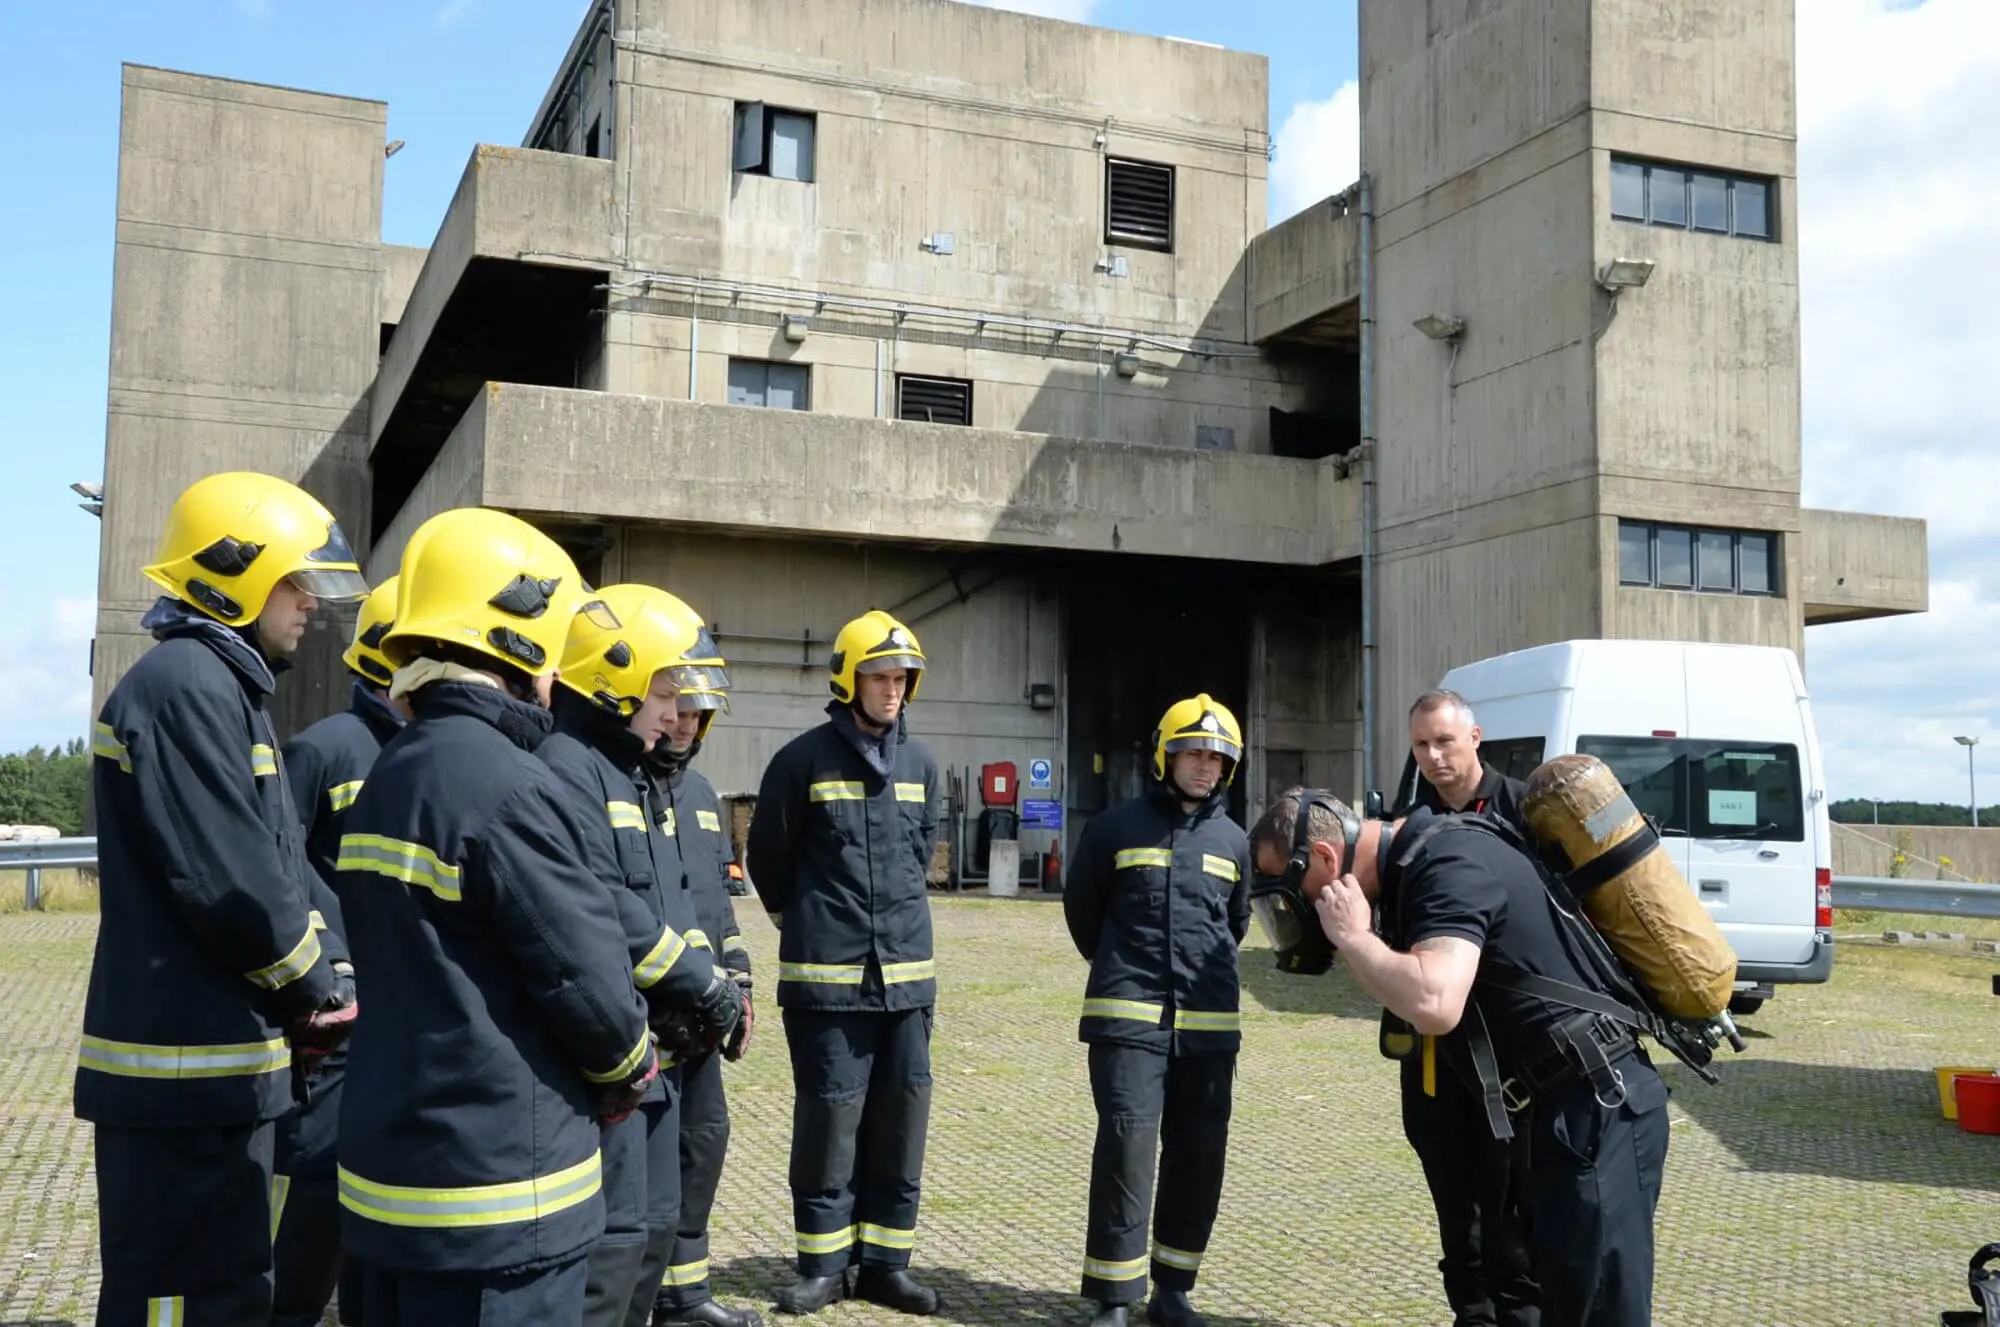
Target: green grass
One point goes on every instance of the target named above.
(62, 891)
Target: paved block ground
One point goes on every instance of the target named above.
(1817, 1186)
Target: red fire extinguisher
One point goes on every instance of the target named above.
(1052, 870)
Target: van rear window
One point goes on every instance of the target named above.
(1709, 790)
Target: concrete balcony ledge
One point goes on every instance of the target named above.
(1859, 566)
(576, 454)
(547, 209)
(1305, 278)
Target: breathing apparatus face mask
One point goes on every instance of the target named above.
(1279, 903)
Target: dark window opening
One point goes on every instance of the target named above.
(1670, 557)
(775, 142)
(592, 138)
(1139, 204)
(1515, 757)
(1713, 201)
(933, 400)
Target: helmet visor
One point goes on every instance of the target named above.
(599, 614)
(335, 550)
(699, 677)
(705, 650)
(696, 701)
(1205, 742)
(342, 586)
(888, 663)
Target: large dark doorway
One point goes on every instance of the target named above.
(1144, 633)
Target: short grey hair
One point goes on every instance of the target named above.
(1438, 699)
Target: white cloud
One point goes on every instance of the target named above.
(1319, 151)
(1076, 11)
(1899, 185)
(453, 13)
(45, 674)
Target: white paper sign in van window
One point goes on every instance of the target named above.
(1732, 808)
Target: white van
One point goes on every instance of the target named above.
(1717, 744)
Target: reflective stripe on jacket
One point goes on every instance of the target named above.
(1158, 901)
(499, 997)
(840, 857)
(206, 942)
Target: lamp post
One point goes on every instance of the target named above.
(1971, 779)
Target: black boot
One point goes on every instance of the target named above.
(810, 1294)
(895, 1289)
(1170, 1308)
(1109, 1315)
(708, 1313)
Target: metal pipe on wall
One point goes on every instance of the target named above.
(694, 350)
(1368, 774)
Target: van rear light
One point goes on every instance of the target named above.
(1823, 899)
(1665, 732)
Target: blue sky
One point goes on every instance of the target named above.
(1900, 177)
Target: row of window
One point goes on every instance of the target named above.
(1663, 195)
(1138, 195)
(776, 385)
(1678, 557)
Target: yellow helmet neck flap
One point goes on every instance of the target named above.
(1199, 723)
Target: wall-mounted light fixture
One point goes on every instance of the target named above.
(796, 327)
(392, 148)
(1127, 364)
(1441, 327)
(1625, 274)
(1041, 696)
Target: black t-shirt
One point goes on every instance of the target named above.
(1469, 884)
(1497, 795)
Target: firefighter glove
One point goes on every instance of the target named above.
(617, 1101)
(314, 1035)
(721, 1007)
(739, 1041)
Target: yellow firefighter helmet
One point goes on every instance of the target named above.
(231, 537)
(873, 643)
(1199, 723)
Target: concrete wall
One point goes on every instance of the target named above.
(973, 121)
(766, 597)
(244, 324)
(1855, 565)
(1475, 130)
(401, 265)
(1303, 268)
(1488, 131)
(624, 458)
(514, 204)
(1174, 399)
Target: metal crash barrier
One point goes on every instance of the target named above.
(37, 855)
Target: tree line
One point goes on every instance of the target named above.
(46, 787)
(1863, 811)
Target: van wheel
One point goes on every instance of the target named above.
(1745, 1005)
